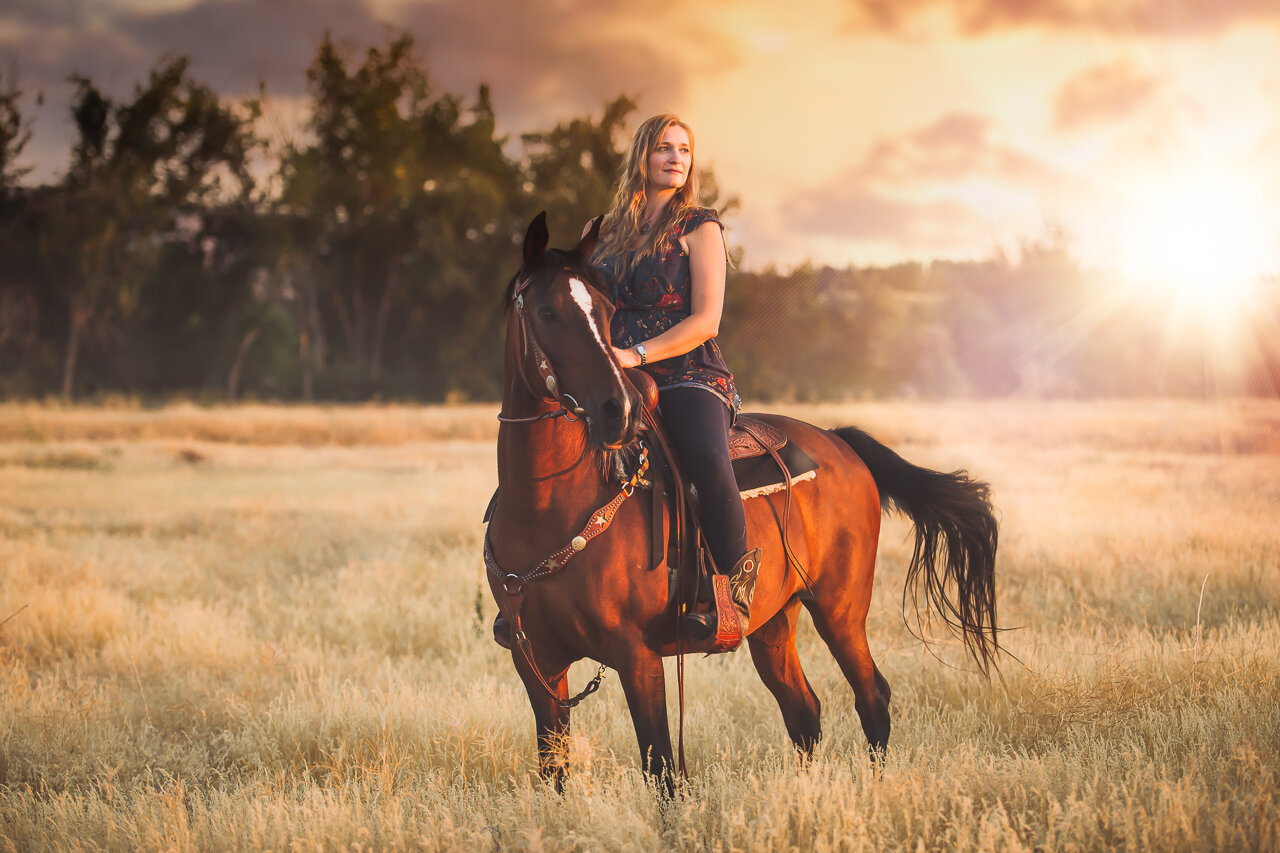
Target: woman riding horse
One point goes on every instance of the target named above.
(668, 256)
(570, 548)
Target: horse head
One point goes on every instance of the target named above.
(560, 318)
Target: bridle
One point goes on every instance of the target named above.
(543, 365)
(513, 584)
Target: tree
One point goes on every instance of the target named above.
(402, 199)
(143, 174)
(15, 132)
(19, 305)
(572, 168)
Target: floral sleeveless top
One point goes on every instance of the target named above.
(653, 297)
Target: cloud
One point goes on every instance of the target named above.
(541, 64)
(236, 44)
(43, 12)
(861, 214)
(1263, 163)
(955, 148)
(545, 62)
(1103, 94)
(950, 185)
(1120, 17)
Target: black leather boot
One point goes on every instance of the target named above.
(700, 626)
(742, 584)
(742, 588)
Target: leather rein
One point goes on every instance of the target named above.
(513, 584)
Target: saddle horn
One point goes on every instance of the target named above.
(644, 384)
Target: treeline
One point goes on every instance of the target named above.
(1039, 325)
(182, 252)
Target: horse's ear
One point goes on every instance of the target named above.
(535, 241)
(587, 245)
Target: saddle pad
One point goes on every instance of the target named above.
(757, 474)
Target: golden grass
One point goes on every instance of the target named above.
(349, 426)
(266, 628)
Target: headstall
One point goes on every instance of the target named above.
(543, 365)
(513, 585)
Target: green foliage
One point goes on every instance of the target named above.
(402, 203)
(581, 159)
(180, 254)
(15, 132)
(145, 177)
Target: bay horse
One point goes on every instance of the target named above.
(576, 585)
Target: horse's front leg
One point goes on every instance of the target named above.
(551, 717)
(645, 687)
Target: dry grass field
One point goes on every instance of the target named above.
(267, 629)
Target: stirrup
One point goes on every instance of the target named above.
(739, 588)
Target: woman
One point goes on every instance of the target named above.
(669, 258)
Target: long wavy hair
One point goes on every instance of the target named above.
(621, 226)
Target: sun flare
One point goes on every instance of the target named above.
(1203, 242)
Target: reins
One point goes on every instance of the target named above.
(513, 585)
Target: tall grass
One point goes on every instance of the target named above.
(268, 629)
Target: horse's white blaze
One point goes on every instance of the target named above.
(580, 295)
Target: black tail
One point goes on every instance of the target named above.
(953, 518)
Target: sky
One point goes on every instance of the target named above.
(855, 132)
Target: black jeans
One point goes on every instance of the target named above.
(698, 423)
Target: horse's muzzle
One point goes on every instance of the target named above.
(615, 421)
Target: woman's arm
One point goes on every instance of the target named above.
(707, 267)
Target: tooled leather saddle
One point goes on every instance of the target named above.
(764, 462)
(751, 445)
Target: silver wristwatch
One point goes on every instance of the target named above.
(644, 357)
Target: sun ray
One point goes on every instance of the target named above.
(1203, 241)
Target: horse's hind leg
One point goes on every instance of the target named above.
(773, 650)
(846, 636)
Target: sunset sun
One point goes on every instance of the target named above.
(1201, 242)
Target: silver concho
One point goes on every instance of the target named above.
(578, 543)
(551, 383)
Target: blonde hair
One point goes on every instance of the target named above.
(621, 226)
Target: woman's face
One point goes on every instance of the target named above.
(671, 161)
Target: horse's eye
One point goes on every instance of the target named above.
(545, 313)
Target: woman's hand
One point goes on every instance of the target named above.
(627, 357)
